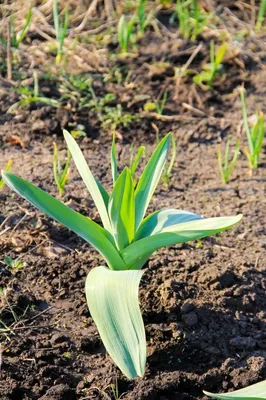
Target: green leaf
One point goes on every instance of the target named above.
(150, 178)
(160, 220)
(88, 178)
(170, 235)
(84, 227)
(253, 392)
(112, 298)
(114, 161)
(122, 210)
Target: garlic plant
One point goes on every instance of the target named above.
(126, 241)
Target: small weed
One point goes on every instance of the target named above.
(215, 67)
(125, 33)
(15, 265)
(156, 105)
(17, 38)
(134, 161)
(261, 15)
(225, 166)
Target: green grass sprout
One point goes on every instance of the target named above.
(17, 38)
(61, 175)
(191, 18)
(215, 67)
(225, 166)
(61, 26)
(261, 15)
(255, 133)
(125, 32)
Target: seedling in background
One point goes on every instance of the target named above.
(114, 117)
(61, 175)
(255, 133)
(126, 241)
(125, 33)
(212, 69)
(8, 167)
(225, 166)
(17, 38)
(60, 25)
(192, 18)
(168, 170)
(253, 392)
(156, 105)
(31, 95)
(261, 15)
(15, 265)
(143, 20)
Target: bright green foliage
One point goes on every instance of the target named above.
(225, 166)
(192, 19)
(214, 68)
(253, 392)
(60, 25)
(261, 14)
(143, 20)
(125, 32)
(125, 241)
(8, 167)
(255, 134)
(14, 264)
(60, 175)
(112, 298)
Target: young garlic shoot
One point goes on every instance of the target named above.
(255, 133)
(17, 38)
(261, 15)
(126, 239)
(191, 17)
(61, 26)
(61, 175)
(225, 165)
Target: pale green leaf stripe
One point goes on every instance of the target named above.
(114, 161)
(253, 392)
(179, 233)
(121, 210)
(84, 227)
(112, 298)
(150, 178)
(162, 219)
(88, 178)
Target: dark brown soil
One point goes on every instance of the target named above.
(203, 303)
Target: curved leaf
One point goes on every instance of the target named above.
(88, 178)
(84, 227)
(175, 234)
(159, 221)
(253, 392)
(112, 298)
(150, 178)
(122, 210)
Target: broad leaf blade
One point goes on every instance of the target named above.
(84, 227)
(150, 178)
(112, 298)
(253, 392)
(175, 234)
(160, 220)
(88, 178)
(122, 210)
